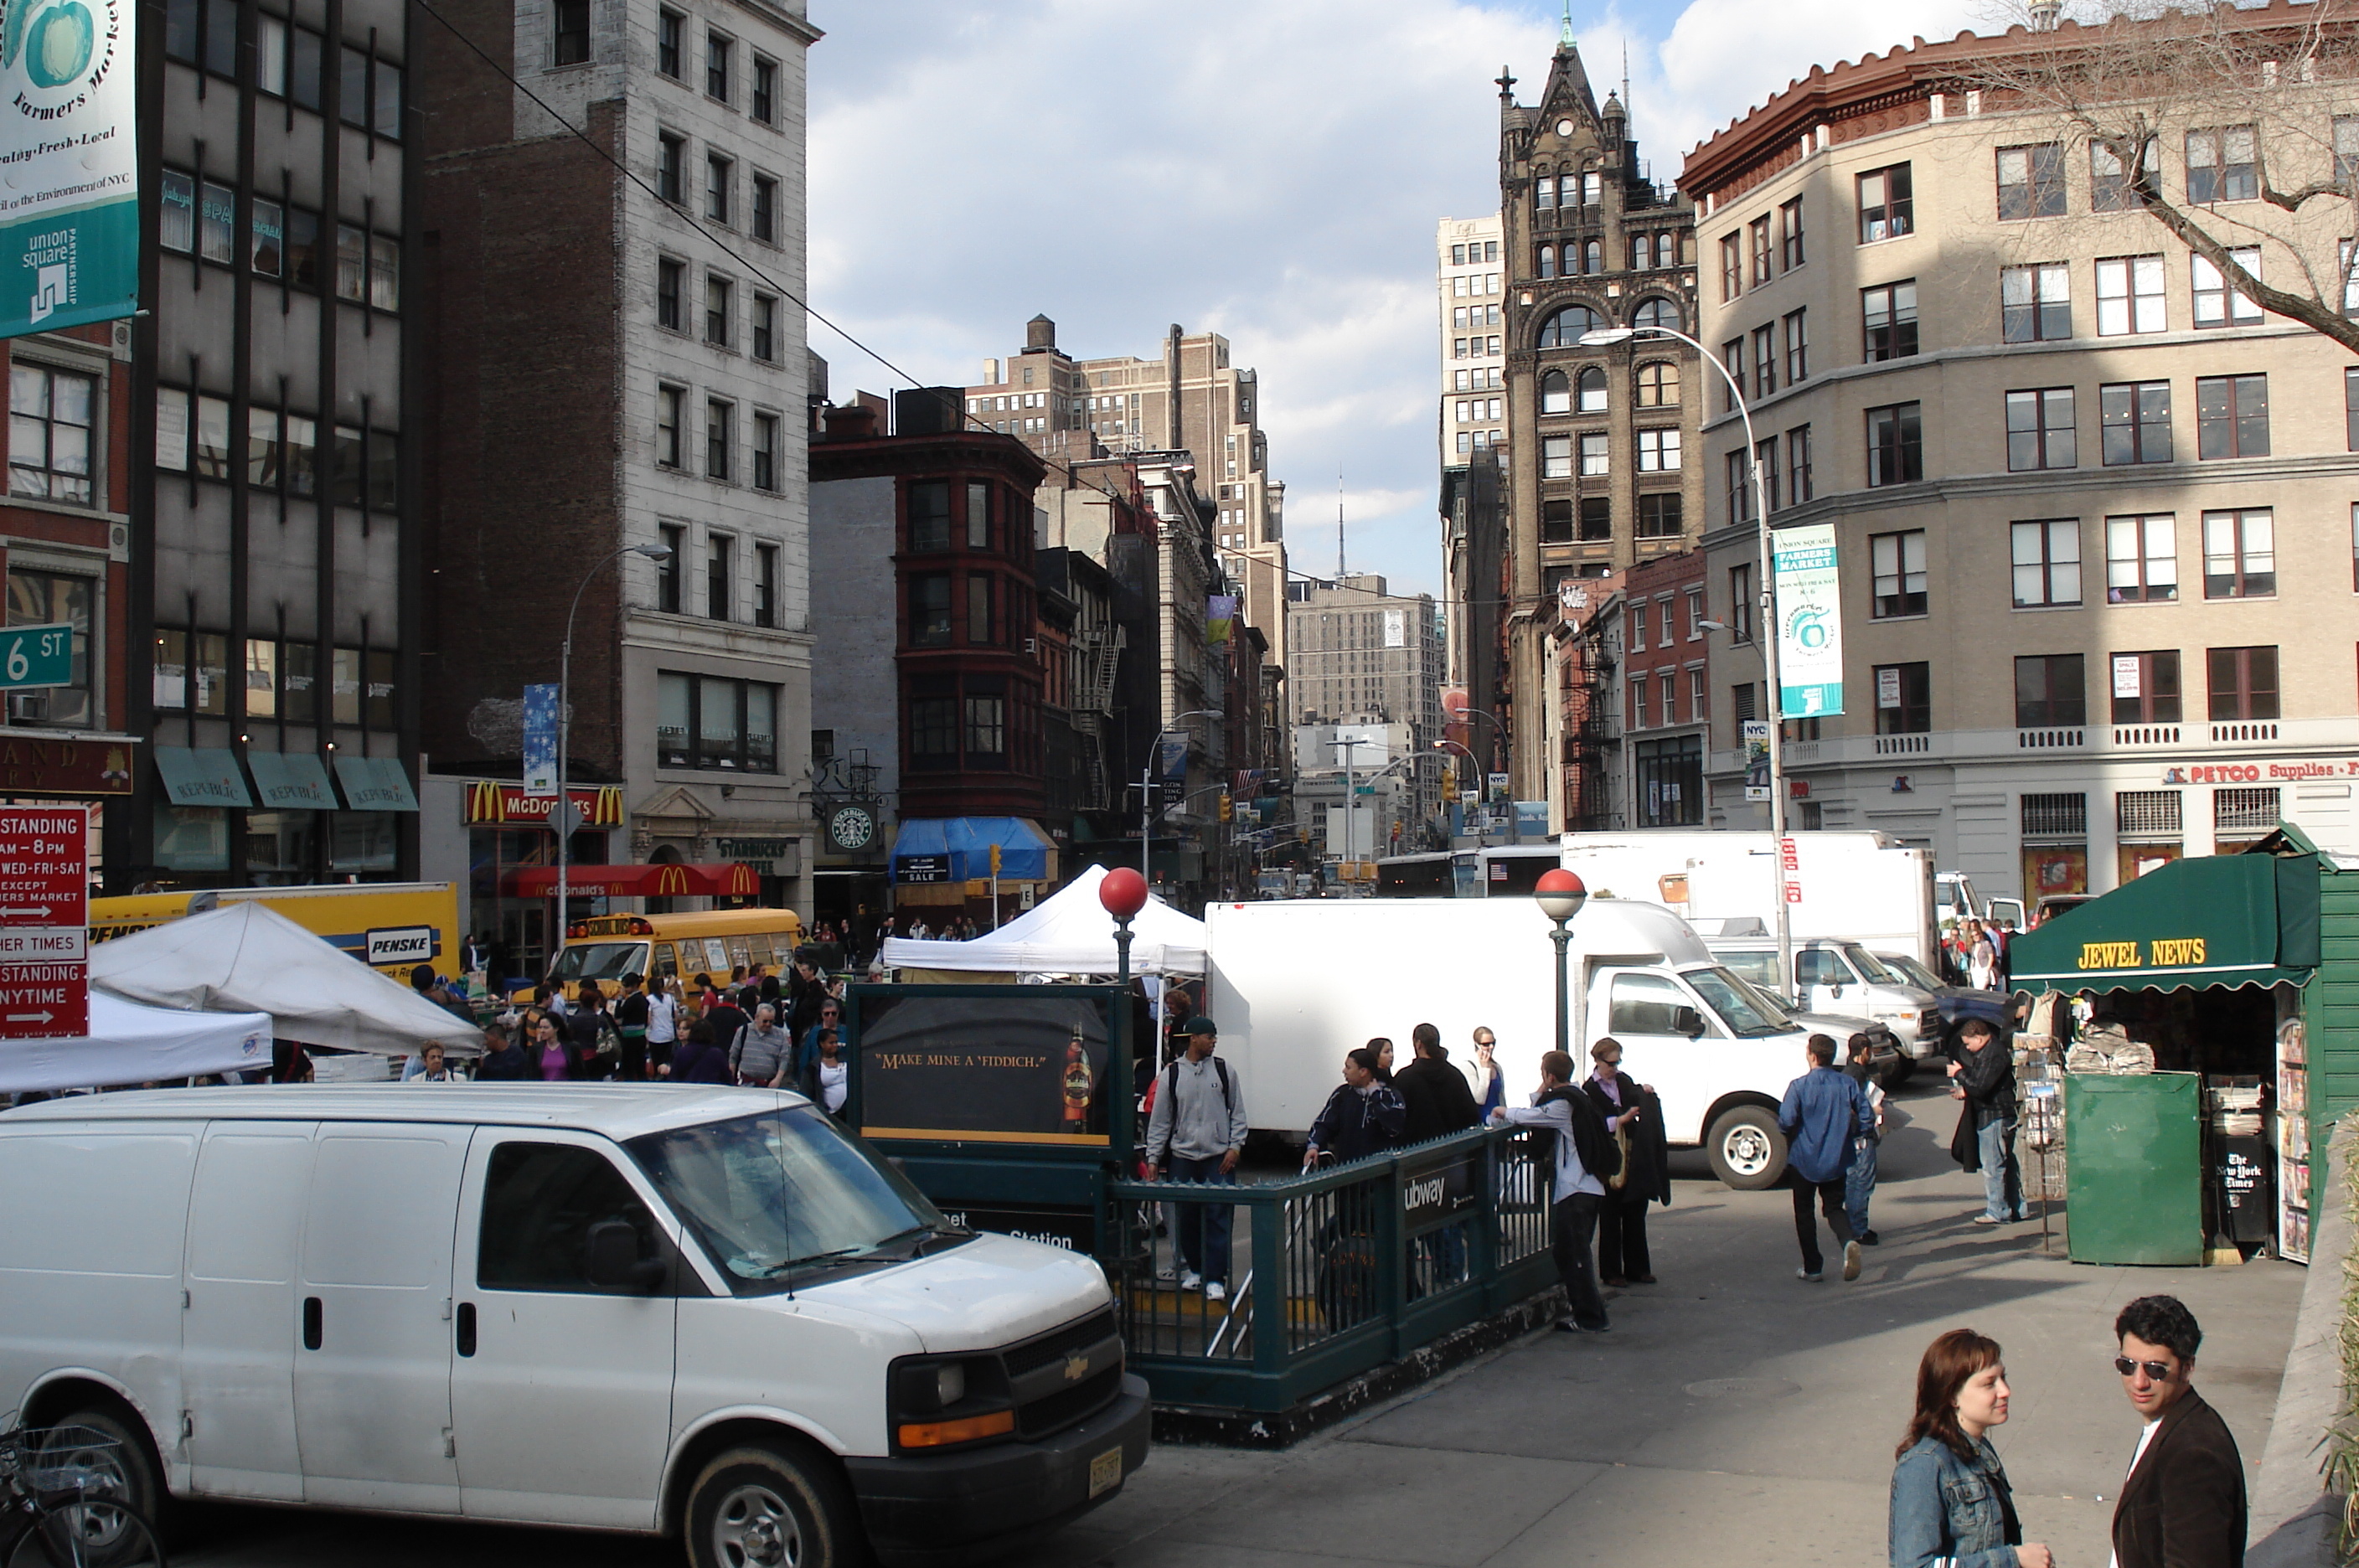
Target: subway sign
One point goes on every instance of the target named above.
(2161, 952)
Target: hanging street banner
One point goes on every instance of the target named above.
(540, 740)
(1810, 620)
(69, 165)
(1756, 736)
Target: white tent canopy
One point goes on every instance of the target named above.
(250, 958)
(131, 1044)
(1068, 934)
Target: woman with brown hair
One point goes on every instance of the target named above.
(1951, 1505)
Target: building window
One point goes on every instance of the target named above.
(2036, 303)
(708, 723)
(1658, 452)
(1765, 360)
(668, 283)
(1556, 457)
(1887, 208)
(1731, 357)
(2147, 814)
(668, 569)
(1731, 267)
(1740, 603)
(2134, 418)
(2046, 557)
(1903, 699)
(1897, 563)
(2049, 692)
(50, 414)
(1638, 720)
(2245, 813)
(978, 611)
(2222, 165)
(720, 437)
(1741, 704)
(930, 516)
(48, 599)
(2217, 305)
(1798, 346)
(669, 26)
(569, 25)
(1659, 387)
(763, 105)
(1592, 252)
(2110, 189)
(1740, 487)
(1565, 328)
(765, 451)
(1798, 465)
(1656, 313)
(929, 610)
(2242, 683)
(2231, 416)
(1590, 391)
(717, 310)
(2031, 181)
(1887, 315)
(1596, 519)
(763, 338)
(717, 174)
(668, 409)
(2142, 559)
(1659, 515)
(1593, 454)
(716, 67)
(2240, 558)
(719, 592)
(1556, 393)
(1895, 446)
(2040, 430)
(2146, 688)
(1762, 267)
(1556, 522)
(933, 725)
(2055, 816)
(2129, 296)
(766, 208)
(1789, 233)
(1765, 459)
(671, 156)
(986, 725)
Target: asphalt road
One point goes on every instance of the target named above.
(1735, 1414)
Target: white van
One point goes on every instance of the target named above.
(1839, 977)
(704, 1312)
(1294, 985)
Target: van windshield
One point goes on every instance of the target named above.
(781, 1193)
(1868, 965)
(1742, 1006)
(601, 961)
(1909, 970)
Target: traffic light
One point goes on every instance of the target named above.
(995, 860)
(1228, 807)
(1448, 784)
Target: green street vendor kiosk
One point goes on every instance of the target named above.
(2242, 968)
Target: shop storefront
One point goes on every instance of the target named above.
(274, 820)
(943, 869)
(2236, 973)
(507, 833)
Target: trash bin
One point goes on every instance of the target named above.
(2136, 1178)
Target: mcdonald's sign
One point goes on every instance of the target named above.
(493, 800)
(724, 880)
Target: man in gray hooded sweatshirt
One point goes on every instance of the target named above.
(1196, 1133)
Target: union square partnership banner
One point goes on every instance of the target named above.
(1810, 620)
(69, 165)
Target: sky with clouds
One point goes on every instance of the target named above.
(1269, 169)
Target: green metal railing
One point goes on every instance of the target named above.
(1333, 1272)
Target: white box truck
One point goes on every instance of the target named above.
(1294, 985)
(1859, 887)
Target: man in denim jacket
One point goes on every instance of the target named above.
(1823, 1115)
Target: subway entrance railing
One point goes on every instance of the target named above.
(1332, 1273)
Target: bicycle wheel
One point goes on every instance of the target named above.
(91, 1533)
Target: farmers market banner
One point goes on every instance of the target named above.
(69, 165)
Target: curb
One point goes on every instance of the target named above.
(2293, 1517)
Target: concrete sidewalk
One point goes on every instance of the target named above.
(1735, 1414)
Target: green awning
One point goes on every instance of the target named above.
(202, 776)
(2221, 920)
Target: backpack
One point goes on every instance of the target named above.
(1171, 1086)
(1600, 1155)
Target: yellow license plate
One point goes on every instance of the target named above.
(1105, 1472)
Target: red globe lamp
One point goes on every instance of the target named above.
(1559, 895)
(1123, 891)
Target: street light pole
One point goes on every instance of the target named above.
(559, 813)
(1559, 895)
(1147, 789)
(1764, 629)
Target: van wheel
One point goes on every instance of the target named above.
(1900, 1072)
(1747, 1150)
(764, 1506)
(116, 1441)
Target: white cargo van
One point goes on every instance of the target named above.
(704, 1312)
(1839, 977)
(1856, 886)
(1294, 985)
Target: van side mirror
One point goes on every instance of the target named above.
(1686, 1021)
(611, 1260)
(1835, 989)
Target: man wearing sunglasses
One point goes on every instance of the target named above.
(2183, 1503)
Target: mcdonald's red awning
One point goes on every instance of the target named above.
(727, 879)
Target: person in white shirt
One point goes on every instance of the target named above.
(1572, 1216)
(427, 1066)
(663, 1023)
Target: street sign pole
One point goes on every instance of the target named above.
(44, 920)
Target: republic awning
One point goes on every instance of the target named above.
(291, 780)
(202, 776)
(722, 880)
(2221, 920)
(376, 784)
(958, 849)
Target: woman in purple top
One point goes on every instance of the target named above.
(548, 1058)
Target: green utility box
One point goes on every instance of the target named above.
(2134, 1167)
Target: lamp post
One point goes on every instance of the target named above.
(1147, 789)
(1123, 893)
(560, 814)
(1764, 629)
(1559, 895)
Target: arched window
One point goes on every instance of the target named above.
(1592, 256)
(1667, 250)
(1658, 385)
(1563, 330)
(1656, 313)
(1556, 393)
(1592, 390)
(1547, 261)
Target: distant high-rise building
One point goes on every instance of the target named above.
(1364, 655)
(1472, 301)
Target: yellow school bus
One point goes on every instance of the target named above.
(678, 947)
(391, 926)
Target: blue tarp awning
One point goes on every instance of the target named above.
(958, 849)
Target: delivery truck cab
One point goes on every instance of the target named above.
(704, 1312)
(1839, 977)
(1293, 986)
